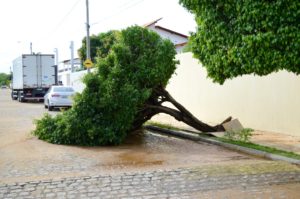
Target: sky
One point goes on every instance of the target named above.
(50, 24)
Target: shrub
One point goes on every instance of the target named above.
(244, 135)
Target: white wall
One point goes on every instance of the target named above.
(64, 77)
(269, 103)
(76, 80)
(176, 39)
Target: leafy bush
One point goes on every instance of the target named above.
(138, 61)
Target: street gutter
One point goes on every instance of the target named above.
(198, 138)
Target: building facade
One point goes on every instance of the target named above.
(178, 39)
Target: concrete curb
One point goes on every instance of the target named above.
(196, 137)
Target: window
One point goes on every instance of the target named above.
(63, 89)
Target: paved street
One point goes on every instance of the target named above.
(230, 181)
(146, 166)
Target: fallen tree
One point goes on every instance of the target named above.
(127, 89)
(154, 106)
(233, 38)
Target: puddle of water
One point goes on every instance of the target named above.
(138, 159)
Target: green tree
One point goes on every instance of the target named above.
(127, 89)
(100, 45)
(4, 79)
(246, 37)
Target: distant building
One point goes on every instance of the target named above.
(65, 70)
(178, 39)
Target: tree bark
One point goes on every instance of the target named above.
(154, 106)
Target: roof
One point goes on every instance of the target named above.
(163, 28)
(181, 44)
(152, 22)
(69, 60)
(171, 31)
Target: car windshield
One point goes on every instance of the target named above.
(63, 89)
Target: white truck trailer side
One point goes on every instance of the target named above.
(33, 74)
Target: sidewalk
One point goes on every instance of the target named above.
(192, 135)
(277, 140)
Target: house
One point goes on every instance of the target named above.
(179, 40)
(65, 70)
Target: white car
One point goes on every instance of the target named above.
(59, 96)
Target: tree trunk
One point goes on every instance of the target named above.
(154, 106)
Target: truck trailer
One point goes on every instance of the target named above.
(33, 75)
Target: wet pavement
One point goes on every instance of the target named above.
(197, 182)
(147, 165)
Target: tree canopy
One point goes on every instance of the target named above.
(110, 106)
(100, 45)
(246, 37)
(4, 79)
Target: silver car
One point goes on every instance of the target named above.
(59, 96)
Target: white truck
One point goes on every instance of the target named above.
(33, 74)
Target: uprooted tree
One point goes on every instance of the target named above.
(127, 89)
(233, 38)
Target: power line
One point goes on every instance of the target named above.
(119, 11)
(61, 21)
(65, 17)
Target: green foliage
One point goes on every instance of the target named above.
(188, 47)
(4, 79)
(243, 37)
(244, 135)
(100, 45)
(163, 125)
(103, 114)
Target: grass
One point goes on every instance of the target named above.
(262, 148)
(162, 125)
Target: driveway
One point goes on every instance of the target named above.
(33, 168)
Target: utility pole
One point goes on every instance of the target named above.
(88, 47)
(30, 47)
(56, 66)
(56, 56)
(72, 56)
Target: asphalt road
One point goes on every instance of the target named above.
(147, 165)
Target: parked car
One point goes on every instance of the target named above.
(59, 96)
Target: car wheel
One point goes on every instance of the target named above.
(12, 97)
(50, 108)
(20, 99)
(45, 103)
